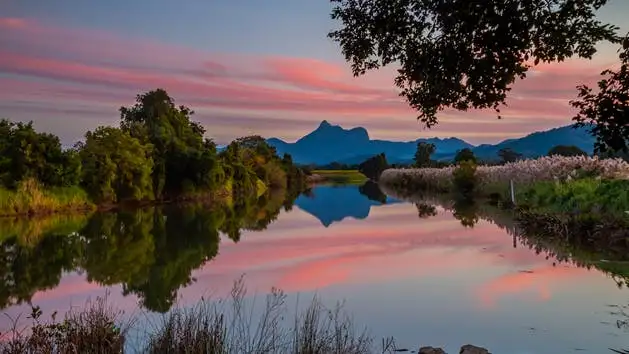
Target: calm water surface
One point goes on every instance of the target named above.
(402, 270)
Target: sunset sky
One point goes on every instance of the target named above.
(245, 66)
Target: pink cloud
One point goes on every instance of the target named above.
(9, 22)
(41, 55)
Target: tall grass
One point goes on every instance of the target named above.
(522, 172)
(30, 198)
(224, 326)
(208, 328)
(95, 329)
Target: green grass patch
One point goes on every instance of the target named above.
(341, 176)
(31, 199)
(588, 195)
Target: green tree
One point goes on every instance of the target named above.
(464, 54)
(116, 166)
(606, 111)
(25, 154)
(374, 166)
(465, 155)
(464, 177)
(509, 155)
(423, 153)
(566, 150)
(182, 158)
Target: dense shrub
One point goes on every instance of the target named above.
(464, 177)
(374, 166)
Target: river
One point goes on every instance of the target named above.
(419, 273)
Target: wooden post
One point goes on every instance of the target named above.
(512, 192)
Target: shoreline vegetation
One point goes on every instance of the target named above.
(219, 326)
(157, 155)
(555, 185)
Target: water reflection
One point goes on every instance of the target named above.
(332, 203)
(431, 281)
(150, 252)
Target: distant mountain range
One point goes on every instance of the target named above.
(331, 143)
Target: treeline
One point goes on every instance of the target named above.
(157, 153)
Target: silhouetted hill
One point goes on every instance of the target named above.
(332, 143)
(539, 143)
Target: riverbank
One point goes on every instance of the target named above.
(30, 200)
(558, 185)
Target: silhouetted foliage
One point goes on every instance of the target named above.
(374, 166)
(464, 54)
(464, 155)
(509, 155)
(607, 109)
(566, 150)
(466, 211)
(425, 211)
(423, 153)
(372, 191)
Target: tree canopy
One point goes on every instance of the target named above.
(566, 150)
(26, 153)
(116, 166)
(465, 155)
(464, 54)
(423, 153)
(374, 166)
(606, 110)
(509, 155)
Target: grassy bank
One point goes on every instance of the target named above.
(337, 177)
(31, 199)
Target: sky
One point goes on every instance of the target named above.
(244, 66)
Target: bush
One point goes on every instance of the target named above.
(464, 178)
(95, 329)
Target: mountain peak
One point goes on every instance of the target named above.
(325, 124)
